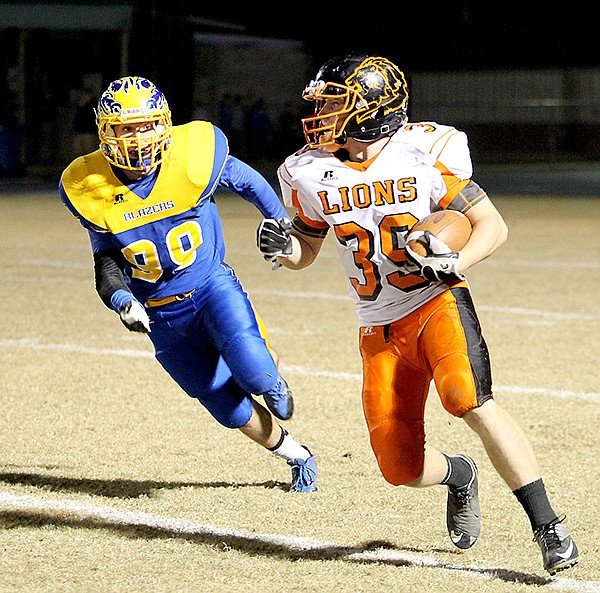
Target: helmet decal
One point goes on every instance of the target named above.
(110, 100)
(382, 76)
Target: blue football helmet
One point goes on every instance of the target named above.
(134, 100)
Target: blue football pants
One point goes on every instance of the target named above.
(211, 345)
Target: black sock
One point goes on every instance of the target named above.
(459, 473)
(535, 502)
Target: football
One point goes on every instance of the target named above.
(450, 226)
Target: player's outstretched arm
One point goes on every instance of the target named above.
(242, 179)
(304, 251)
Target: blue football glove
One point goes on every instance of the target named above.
(439, 263)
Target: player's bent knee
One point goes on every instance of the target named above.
(229, 406)
(457, 392)
(236, 417)
(401, 475)
(400, 451)
(251, 364)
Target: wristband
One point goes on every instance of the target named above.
(119, 298)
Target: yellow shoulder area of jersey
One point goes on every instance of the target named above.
(89, 184)
(101, 199)
(85, 171)
(199, 138)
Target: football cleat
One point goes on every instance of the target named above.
(463, 514)
(280, 400)
(558, 548)
(304, 475)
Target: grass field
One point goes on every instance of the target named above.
(112, 480)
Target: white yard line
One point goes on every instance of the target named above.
(36, 344)
(293, 546)
(533, 315)
(540, 313)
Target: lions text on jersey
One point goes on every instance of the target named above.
(370, 207)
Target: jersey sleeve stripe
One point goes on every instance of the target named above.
(308, 229)
(467, 198)
(284, 175)
(453, 184)
(309, 222)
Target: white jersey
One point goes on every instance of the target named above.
(370, 207)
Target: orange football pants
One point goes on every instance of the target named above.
(441, 340)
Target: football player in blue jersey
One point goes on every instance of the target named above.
(146, 198)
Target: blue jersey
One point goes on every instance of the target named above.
(166, 225)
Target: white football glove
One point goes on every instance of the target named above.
(273, 238)
(440, 263)
(134, 317)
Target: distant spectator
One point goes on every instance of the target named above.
(85, 139)
(225, 114)
(289, 137)
(261, 131)
(236, 135)
(231, 122)
(200, 111)
(11, 137)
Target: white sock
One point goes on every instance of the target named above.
(289, 448)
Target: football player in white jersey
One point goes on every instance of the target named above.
(369, 176)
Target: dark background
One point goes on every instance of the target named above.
(418, 36)
(465, 34)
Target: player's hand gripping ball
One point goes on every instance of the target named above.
(435, 241)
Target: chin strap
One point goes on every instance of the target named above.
(342, 138)
(364, 135)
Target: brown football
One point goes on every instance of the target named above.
(450, 226)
